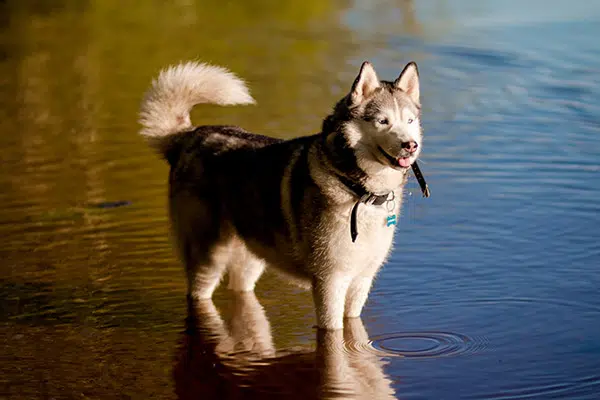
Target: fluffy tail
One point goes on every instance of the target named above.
(166, 106)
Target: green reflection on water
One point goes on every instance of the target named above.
(81, 284)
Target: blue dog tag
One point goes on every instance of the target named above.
(391, 220)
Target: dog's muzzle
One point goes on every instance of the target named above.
(400, 162)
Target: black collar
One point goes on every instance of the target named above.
(419, 176)
(364, 196)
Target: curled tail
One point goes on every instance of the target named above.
(166, 106)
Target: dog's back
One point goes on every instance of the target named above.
(239, 177)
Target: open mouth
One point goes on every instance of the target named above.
(403, 162)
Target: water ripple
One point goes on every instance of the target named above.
(427, 344)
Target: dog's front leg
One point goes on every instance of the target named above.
(329, 294)
(357, 296)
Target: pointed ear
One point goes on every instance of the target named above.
(408, 81)
(365, 83)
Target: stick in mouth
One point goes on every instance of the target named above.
(421, 180)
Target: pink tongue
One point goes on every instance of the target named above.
(404, 162)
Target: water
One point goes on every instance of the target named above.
(491, 292)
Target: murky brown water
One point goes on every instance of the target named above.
(93, 299)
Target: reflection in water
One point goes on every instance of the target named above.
(91, 295)
(90, 292)
(238, 360)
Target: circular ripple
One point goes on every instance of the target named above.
(425, 344)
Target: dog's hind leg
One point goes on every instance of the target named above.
(244, 268)
(203, 246)
(204, 271)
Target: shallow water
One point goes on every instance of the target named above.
(491, 292)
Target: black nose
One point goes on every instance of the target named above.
(411, 146)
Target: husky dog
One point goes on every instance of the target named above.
(319, 208)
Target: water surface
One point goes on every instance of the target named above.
(492, 289)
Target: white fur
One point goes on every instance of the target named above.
(344, 270)
(167, 104)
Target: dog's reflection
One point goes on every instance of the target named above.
(239, 361)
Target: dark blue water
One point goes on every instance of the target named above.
(492, 291)
(507, 249)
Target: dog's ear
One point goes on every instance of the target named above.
(365, 83)
(408, 81)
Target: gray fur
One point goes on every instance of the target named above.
(240, 201)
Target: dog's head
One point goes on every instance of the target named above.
(381, 119)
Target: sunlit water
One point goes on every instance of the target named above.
(492, 291)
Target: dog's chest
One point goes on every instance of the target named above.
(373, 241)
(375, 227)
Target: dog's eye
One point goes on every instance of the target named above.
(383, 121)
(410, 121)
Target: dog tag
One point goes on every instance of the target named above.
(390, 220)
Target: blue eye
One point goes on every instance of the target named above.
(383, 121)
(410, 121)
